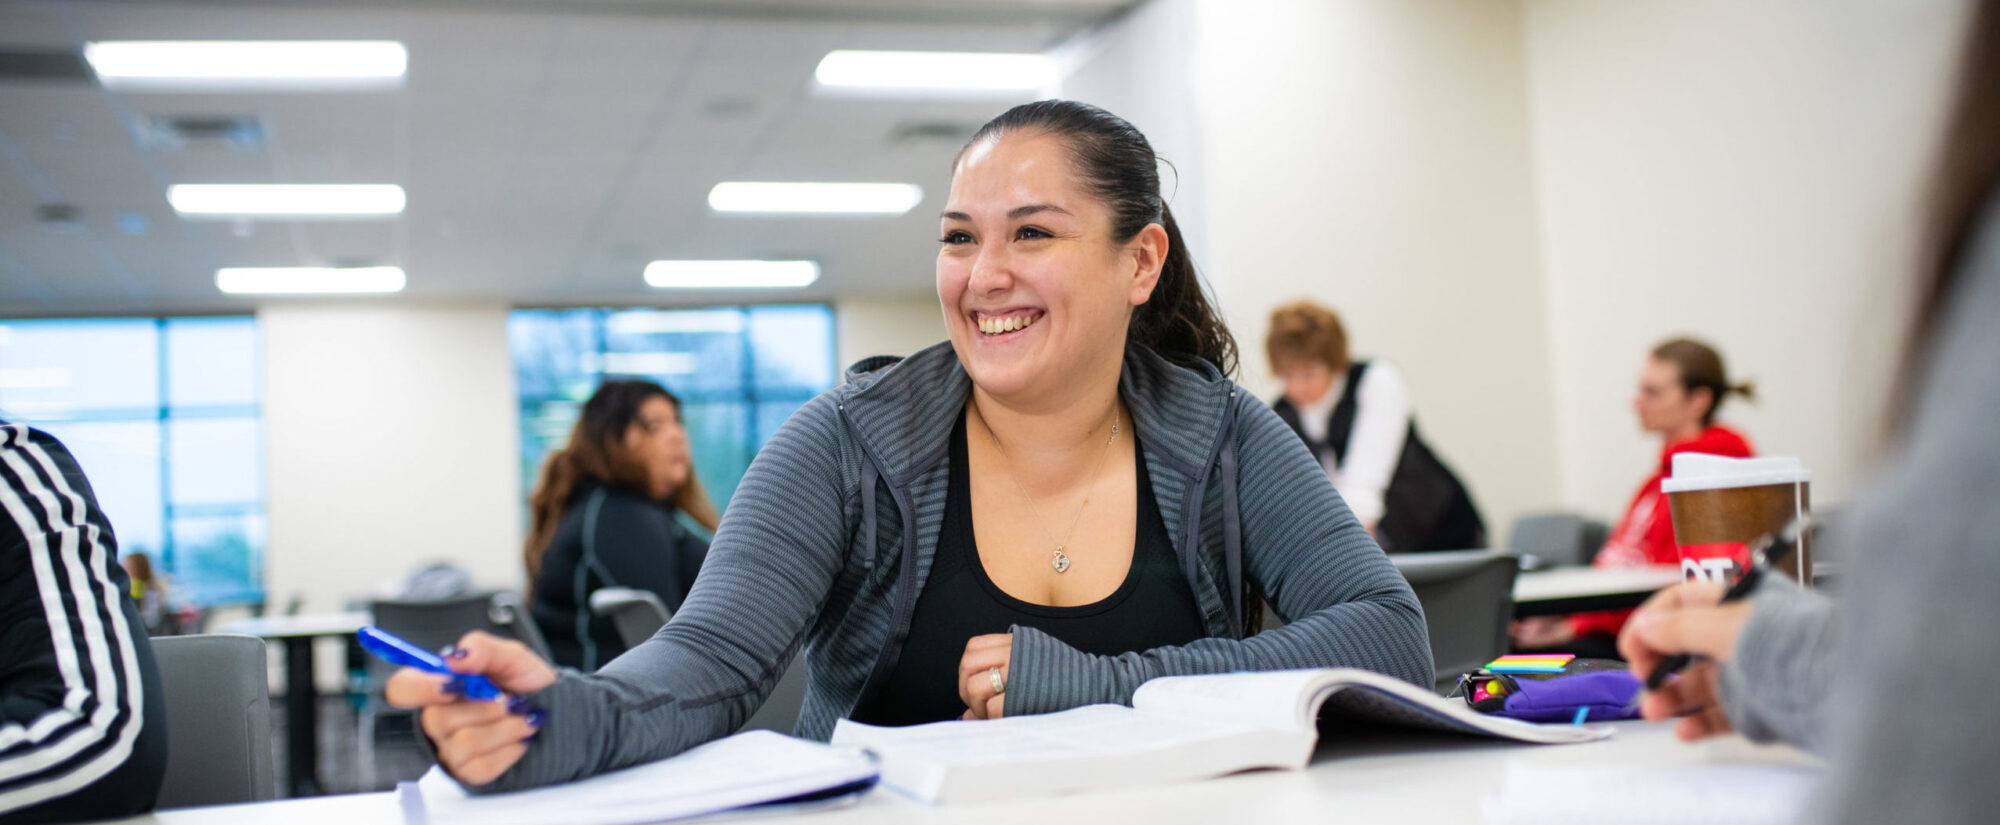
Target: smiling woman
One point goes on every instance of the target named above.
(1068, 498)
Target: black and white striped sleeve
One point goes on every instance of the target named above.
(75, 667)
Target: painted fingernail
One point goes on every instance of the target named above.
(518, 705)
(537, 717)
(452, 687)
(455, 652)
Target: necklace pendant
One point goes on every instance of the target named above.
(1061, 561)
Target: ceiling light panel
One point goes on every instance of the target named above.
(284, 200)
(731, 274)
(924, 74)
(815, 198)
(248, 65)
(309, 280)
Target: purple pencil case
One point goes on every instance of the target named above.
(1606, 693)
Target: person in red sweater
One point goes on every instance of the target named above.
(1680, 388)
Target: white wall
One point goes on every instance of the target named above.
(1372, 155)
(1746, 172)
(391, 439)
(884, 324)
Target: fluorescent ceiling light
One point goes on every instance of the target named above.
(285, 200)
(248, 65)
(815, 198)
(308, 280)
(731, 274)
(977, 74)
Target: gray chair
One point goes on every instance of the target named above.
(218, 720)
(1468, 599)
(1557, 538)
(636, 614)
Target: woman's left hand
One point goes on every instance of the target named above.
(975, 674)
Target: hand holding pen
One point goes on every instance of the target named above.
(477, 740)
(1689, 630)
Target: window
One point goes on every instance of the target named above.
(163, 415)
(738, 371)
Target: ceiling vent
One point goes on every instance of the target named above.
(28, 64)
(235, 133)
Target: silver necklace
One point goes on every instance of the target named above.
(1060, 561)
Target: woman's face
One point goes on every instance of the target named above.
(1665, 407)
(1306, 380)
(657, 440)
(1036, 292)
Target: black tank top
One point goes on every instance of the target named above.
(1154, 607)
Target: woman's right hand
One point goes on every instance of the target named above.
(477, 741)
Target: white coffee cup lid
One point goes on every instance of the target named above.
(1701, 471)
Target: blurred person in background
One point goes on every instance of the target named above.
(1681, 386)
(1355, 417)
(603, 515)
(147, 591)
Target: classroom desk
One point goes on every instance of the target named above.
(1382, 776)
(1562, 590)
(301, 694)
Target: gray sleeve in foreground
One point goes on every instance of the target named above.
(1776, 687)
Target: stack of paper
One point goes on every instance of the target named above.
(751, 768)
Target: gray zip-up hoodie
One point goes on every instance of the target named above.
(831, 533)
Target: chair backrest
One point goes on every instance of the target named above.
(435, 624)
(1557, 538)
(780, 711)
(1468, 598)
(218, 720)
(636, 614)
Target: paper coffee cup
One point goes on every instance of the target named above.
(1720, 505)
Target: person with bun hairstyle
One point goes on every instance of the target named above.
(1681, 386)
(602, 515)
(1355, 417)
(1067, 498)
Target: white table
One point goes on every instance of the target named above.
(301, 694)
(1562, 590)
(1383, 776)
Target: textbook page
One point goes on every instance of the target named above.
(1096, 747)
(749, 768)
(1293, 699)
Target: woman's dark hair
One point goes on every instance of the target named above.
(1118, 166)
(1701, 369)
(596, 452)
(1968, 170)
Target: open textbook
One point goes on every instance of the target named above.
(753, 768)
(1178, 728)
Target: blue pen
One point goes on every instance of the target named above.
(400, 652)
